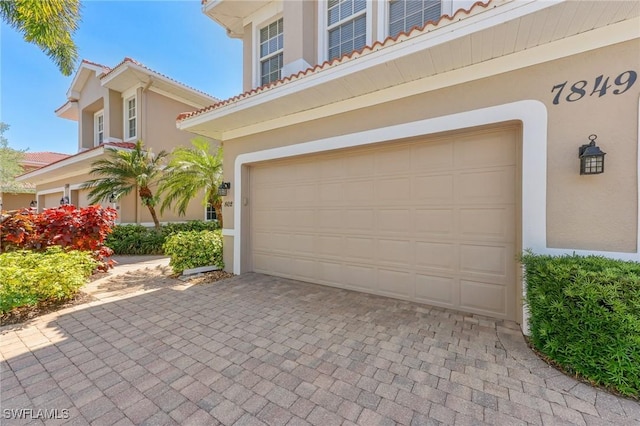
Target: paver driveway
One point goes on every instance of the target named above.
(256, 349)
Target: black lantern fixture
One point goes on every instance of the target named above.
(591, 158)
(113, 198)
(64, 200)
(33, 204)
(224, 188)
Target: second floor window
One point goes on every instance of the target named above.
(271, 52)
(406, 14)
(131, 115)
(99, 128)
(346, 25)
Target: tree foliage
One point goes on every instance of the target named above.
(49, 24)
(123, 171)
(191, 171)
(10, 164)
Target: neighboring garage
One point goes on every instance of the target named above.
(431, 219)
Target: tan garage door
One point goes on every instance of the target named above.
(430, 220)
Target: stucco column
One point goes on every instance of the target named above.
(299, 36)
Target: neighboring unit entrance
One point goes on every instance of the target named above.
(431, 220)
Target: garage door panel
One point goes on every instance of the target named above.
(393, 160)
(436, 255)
(395, 283)
(434, 222)
(360, 248)
(430, 221)
(433, 189)
(435, 289)
(487, 224)
(434, 156)
(394, 220)
(485, 186)
(483, 297)
(393, 190)
(484, 259)
(487, 149)
(395, 251)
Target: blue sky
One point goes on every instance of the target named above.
(172, 37)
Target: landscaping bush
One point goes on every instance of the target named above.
(138, 239)
(585, 315)
(66, 226)
(28, 277)
(192, 249)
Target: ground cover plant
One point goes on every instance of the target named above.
(29, 277)
(585, 316)
(138, 239)
(192, 249)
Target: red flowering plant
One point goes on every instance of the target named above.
(67, 226)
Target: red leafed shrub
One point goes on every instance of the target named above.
(67, 226)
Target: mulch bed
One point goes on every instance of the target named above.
(208, 277)
(25, 313)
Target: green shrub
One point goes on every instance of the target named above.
(192, 249)
(138, 239)
(28, 277)
(585, 315)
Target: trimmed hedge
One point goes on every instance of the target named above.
(192, 249)
(585, 315)
(138, 239)
(28, 277)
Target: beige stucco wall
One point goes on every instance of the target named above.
(583, 212)
(12, 201)
(91, 100)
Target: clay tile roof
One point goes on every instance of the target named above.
(389, 41)
(133, 61)
(44, 157)
(127, 145)
(84, 61)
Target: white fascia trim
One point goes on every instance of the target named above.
(180, 98)
(50, 191)
(63, 163)
(69, 105)
(460, 29)
(85, 66)
(532, 114)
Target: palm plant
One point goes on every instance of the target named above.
(49, 24)
(124, 171)
(190, 171)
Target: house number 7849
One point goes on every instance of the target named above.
(601, 85)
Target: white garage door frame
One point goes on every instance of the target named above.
(531, 113)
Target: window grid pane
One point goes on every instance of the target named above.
(270, 69)
(271, 42)
(406, 14)
(347, 37)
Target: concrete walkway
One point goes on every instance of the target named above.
(256, 349)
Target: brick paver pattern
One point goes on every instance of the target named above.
(256, 350)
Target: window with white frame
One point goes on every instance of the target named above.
(271, 52)
(98, 126)
(406, 14)
(210, 213)
(130, 118)
(346, 26)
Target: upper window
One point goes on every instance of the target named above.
(346, 25)
(271, 52)
(406, 14)
(98, 126)
(131, 118)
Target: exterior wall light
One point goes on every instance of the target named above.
(64, 200)
(591, 158)
(33, 204)
(224, 188)
(113, 198)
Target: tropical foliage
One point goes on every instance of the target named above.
(190, 172)
(49, 24)
(126, 170)
(10, 164)
(192, 249)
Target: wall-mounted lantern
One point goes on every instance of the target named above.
(64, 201)
(33, 204)
(224, 188)
(591, 158)
(113, 198)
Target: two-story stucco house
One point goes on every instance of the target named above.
(413, 148)
(114, 108)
